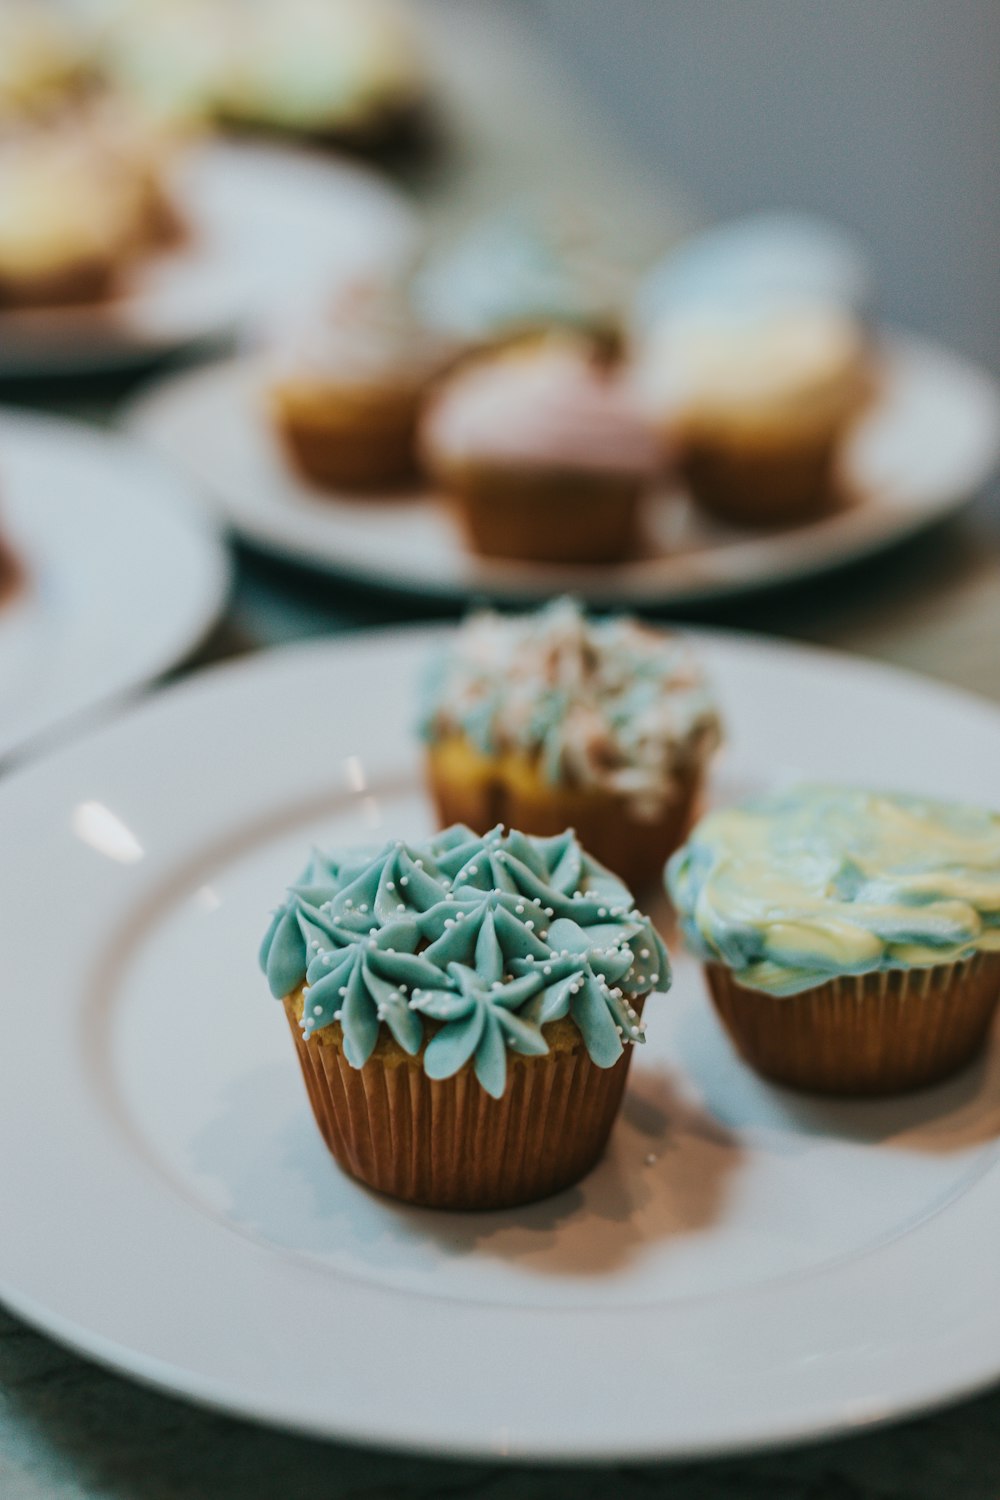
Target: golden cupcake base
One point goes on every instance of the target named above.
(446, 1143)
(348, 440)
(869, 1034)
(483, 790)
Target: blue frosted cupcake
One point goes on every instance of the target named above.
(464, 1011)
(851, 939)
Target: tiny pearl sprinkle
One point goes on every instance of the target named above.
(390, 885)
(317, 1010)
(404, 879)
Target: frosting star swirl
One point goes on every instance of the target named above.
(489, 939)
(805, 885)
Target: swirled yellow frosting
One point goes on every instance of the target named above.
(816, 882)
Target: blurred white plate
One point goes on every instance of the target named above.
(123, 575)
(745, 1267)
(930, 442)
(264, 222)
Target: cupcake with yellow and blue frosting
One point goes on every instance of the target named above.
(851, 938)
(464, 1011)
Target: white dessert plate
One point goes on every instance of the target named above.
(931, 441)
(264, 222)
(122, 575)
(745, 1267)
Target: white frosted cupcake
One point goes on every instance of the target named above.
(346, 392)
(543, 453)
(81, 198)
(756, 402)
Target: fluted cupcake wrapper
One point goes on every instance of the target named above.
(881, 1033)
(446, 1143)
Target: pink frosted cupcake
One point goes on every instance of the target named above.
(542, 454)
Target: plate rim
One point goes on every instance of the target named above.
(170, 496)
(499, 582)
(163, 1376)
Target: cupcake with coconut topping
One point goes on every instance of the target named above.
(464, 1011)
(550, 720)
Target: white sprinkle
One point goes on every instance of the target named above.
(449, 921)
(390, 885)
(363, 906)
(650, 1158)
(372, 931)
(337, 1015)
(653, 978)
(348, 902)
(530, 925)
(419, 864)
(404, 879)
(473, 869)
(550, 911)
(546, 968)
(317, 1010)
(401, 907)
(602, 911)
(343, 990)
(519, 909)
(643, 952)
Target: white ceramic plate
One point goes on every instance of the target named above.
(123, 576)
(930, 443)
(264, 222)
(745, 1267)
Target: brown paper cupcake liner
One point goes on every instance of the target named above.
(446, 1143)
(481, 794)
(872, 1034)
(762, 485)
(369, 456)
(543, 515)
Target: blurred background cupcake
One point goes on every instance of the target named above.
(542, 453)
(524, 272)
(348, 387)
(756, 398)
(340, 72)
